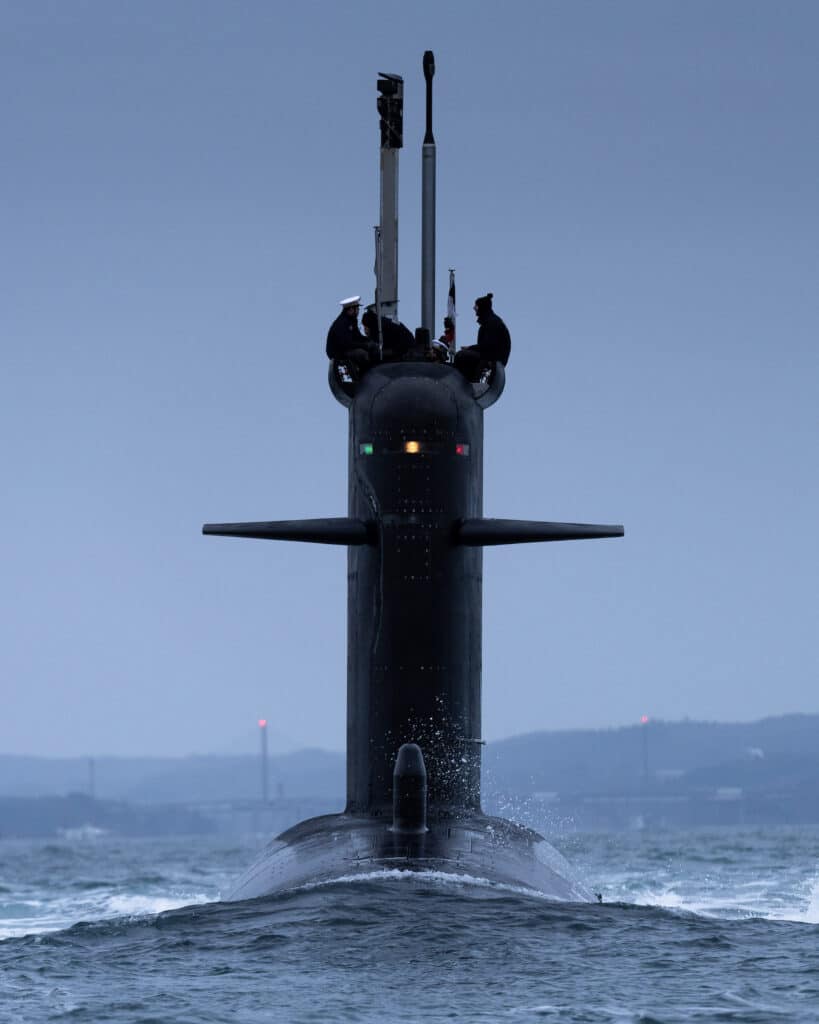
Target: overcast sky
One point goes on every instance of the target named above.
(188, 189)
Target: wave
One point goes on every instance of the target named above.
(130, 906)
(754, 900)
(443, 879)
(809, 914)
(37, 917)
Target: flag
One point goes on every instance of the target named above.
(450, 310)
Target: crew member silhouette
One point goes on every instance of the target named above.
(494, 343)
(396, 339)
(345, 341)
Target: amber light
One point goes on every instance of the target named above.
(412, 447)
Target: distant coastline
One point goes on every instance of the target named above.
(660, 774)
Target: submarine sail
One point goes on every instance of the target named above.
(415, 534)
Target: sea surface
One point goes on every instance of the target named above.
(706, 925)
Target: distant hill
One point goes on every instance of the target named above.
(775, 756)
(615, 760)
(78, 816)
(306, 773)
(662, 774)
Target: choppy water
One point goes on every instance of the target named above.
(717, 925)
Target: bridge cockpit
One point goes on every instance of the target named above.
(486, 391)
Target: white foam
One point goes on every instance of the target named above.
(441, 878)
(52, 920)
(147, 906)
(812, 910)
(65, 912)
(802, 914)
(717, 906)
(668, 899)
(603, 1012)
(762, 902)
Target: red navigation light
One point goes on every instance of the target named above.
(643, 719)
(462, 449)
(262, 723)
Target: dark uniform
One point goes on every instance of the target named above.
(397, 339)
(346, 342)
(494, 342)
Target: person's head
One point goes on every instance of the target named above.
(351, 306)
(369, 321)
(483, 305)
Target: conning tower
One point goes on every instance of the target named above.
(414, 530)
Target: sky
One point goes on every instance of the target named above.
(188, 190)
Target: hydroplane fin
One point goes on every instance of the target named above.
(485, 532)
(317, 531)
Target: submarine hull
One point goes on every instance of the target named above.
(415, 534)
(477, 849)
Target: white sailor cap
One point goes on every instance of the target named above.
(354, 300)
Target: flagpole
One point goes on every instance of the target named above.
(379, 272)
(450, 310)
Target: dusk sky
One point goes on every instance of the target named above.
(188, 190)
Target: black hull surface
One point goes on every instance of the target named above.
(476, 848)
(415, 534)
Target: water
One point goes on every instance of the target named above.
(711, 925)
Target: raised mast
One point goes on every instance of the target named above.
(428, 209)
(391, 112)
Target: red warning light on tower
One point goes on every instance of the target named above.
(643, 720)
(262, 723)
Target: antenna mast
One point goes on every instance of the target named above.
(428, 209)
(391, 112)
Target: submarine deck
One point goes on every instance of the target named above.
(478, 847)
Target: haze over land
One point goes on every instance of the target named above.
(666, 774)
(188, 197)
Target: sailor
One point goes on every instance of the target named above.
(397, 339)
(448, 337)
(345, 341)
(494, 343)
(444, 348)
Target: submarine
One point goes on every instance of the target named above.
(415, 534)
